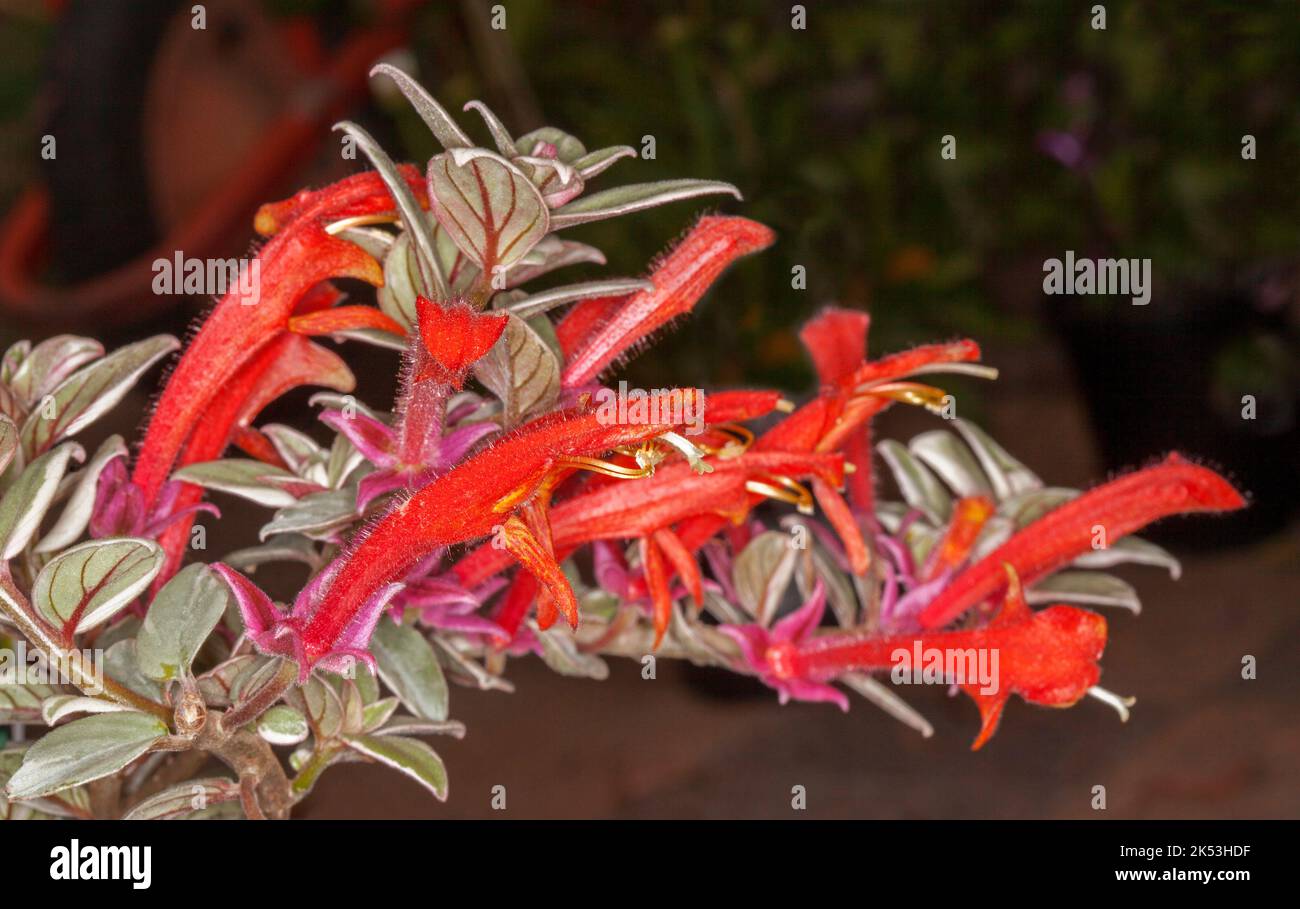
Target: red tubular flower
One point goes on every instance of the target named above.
(1047, 657)
(679, 281)
(1116, 509)
(297, 259)
(471, 500)
(251, 350)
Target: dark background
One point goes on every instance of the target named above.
(1117, 142)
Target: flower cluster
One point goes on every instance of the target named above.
(448, 534)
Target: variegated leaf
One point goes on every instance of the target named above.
(84, 750)
(88, 584)
(90, 392)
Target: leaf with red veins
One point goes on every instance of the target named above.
(837, 340)
(456, 336)
(1115, 509)
(359, 195)
(465, 503)
(343, 318)
(292, 263)
(679, 280)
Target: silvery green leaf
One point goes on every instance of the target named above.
(410, 725)
(366, 683)
(92, 391)
(26, 501)
(217, 683)
(375, 337)
(1026, 507)
(597, 162)
(120, 663)
(920, 488)
(241, 477)
(317, 515)
(343, 462)
(72, 802)
(354, 708)
(568, 148)
(375, 242)
(410, 669)
(283, 725)
(634, 197)
(401, 279)
(184, 799)
(11, 408)
(839, 592)
(254, 677)
(12, 359)
(84, 750)
(1007, 475)
(285, 547)
(549, 254)
(1093, 588)
(377, 713)
(8, 441)
(409, 756)
(952, 460)
(1131, 549)
(522, 371)
(560, 652)
(996, 531)
(75, 516)
(413, 221)
(300, 451)
(440, 123)
(49, 363)
(762, 573)
(884, 698)
(545, 301)
(62, 706)
(467, 671)
(179, 620)
(920, 540)
(890, 515)
(500, 135)
(321, 704)
(487, 206)
(88, 584)
(20, 702)
(725, 612)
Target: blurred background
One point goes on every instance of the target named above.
(1125, 141)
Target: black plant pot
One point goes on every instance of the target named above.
(1155, 382)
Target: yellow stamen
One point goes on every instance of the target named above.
(927, 396)
(785, 490)
(608, 468)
